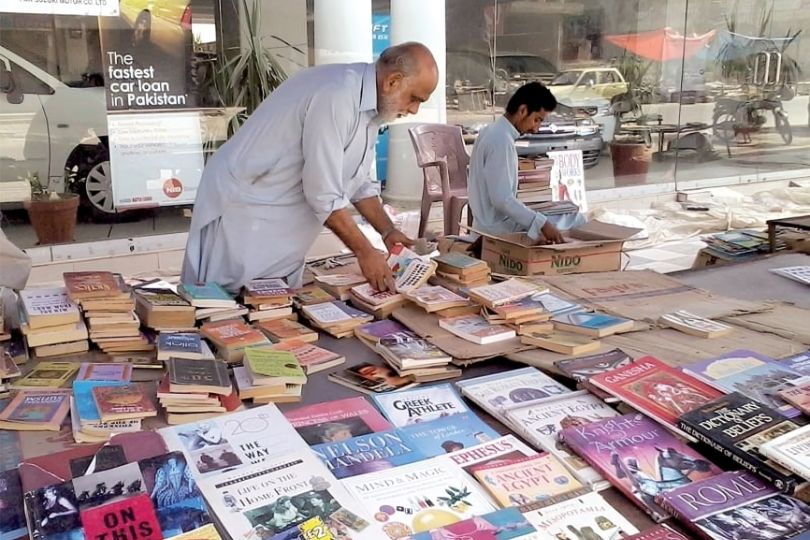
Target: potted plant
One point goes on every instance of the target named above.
(53, 214)
(631, 153)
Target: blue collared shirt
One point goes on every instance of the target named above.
(493, 180)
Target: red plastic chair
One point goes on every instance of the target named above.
(441, 155)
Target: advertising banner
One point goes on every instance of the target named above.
(155, 136)
(568, 178)
(94, 8)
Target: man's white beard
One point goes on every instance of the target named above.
(386, 107)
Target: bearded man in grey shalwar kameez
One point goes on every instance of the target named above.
(296, 164)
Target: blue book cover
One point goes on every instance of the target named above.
(448, 434)
(367, 453)
(594, 321)
(83, 395)
(205, 291)
(180, 343)
(800, 363)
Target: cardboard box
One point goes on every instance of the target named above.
(594, 247)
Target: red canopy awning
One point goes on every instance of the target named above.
(661, 45)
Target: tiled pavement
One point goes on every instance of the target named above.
(665, 258)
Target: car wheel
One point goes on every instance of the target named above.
(98, 190)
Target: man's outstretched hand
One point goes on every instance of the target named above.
(397, 237)
(551, 234)
(375, 269)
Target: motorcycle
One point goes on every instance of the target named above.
(734, 116)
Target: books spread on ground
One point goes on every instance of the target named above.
(410, 271)
(476, 329)
(656, 389)
(435, 298)
(557, 306)
(86, 419)
(499, 450)
(737, 504)
(505, 292)
(408, 407)
(311, 357)
(527, 481)
(367, 453)
(562, 342)
(36, 411)
(287, 496)
(587, 516)
(447, 434)
(335, 421)
(736, 426)
(335, 318)
(371, 379)
(505, 524)
(597, 325)
(695, 325)
(418, 497)
(234, 440)
(281, 330)
(796, 273)
(749, 373)
(791, 451)
(268, 299)
(541, 422)
(232, 337)
(639, 457)
(47, 307)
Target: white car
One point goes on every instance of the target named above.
(47, 126)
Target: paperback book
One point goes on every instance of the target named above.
(273, 367)
(48, 307)
(562, 342)
(798, 396)
(335, 421)
(799, 362)
(791, 451)
(281, 330)
(694, 325)
(502, 391)
(408, 407)
(104, 372)
(796, 273)
(586, 517)
(736, 426)
(36, 410)
(505, 524)
(409, 352)
(206, 295)
(656, 389)
(597, 325)
(449, 434)
(179, 345)
(419, 497)
(501, 450)
(749, 373)
(47, 375)
(639, 457)
(436, 298)
(410, 271)
(367, 453)
(736, 505)
(372, 379)
(123, 402)
(289, 496)
(476, 329)
(504, 292)
(541, 422)
(583, 368)
(311, 357)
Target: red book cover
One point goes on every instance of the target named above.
(133, 518)
(82, 285)
(128, 400)
(656, 389)
(233, 334)
(337, 420)
(231, 402)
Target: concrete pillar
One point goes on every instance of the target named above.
(342, 31)
(423, 21)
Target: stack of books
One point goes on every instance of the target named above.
(503, 293)
(335, 318)
(196, 390)
(182, 345)
(736, 245)
(371, 333)
(462, 269)
(339, 285)
(109, 310)
(416, 358)
(52, 323)
(85, 417)
(129, 401)
(231, 337)
(281, 330)
(163, 310)
(311, 295)
(270, 376)
(441, 301)
(211, 302)
(554, 208)
(595, 325)
(476, 329)
(311, 357)
(381, 304)
(8, 372)
(525, 316)
(268, 299)
(535, 175)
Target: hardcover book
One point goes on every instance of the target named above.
(367, 453)
(335, 421)
(524, 482)
(123, 402)
(541, 422)
(476, 329)
(501, 391)
(273, 367)
(749, 373)
(449, 434)
(596, 325)
(104, 372)
(791, 450)
(371, 379)
(656, 389)
(48, 307)
(583, 368)
(506, 524)
(203, 376)
(736, 505)
(234, 440)
(736, 426)
(311, 357)
(179, 345)
(408, 407)
(290, 496)
(35, 410)
(419, 497)
(586, 517)
(500, 450)
(639, 457)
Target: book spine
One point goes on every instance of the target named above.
(782, 482)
